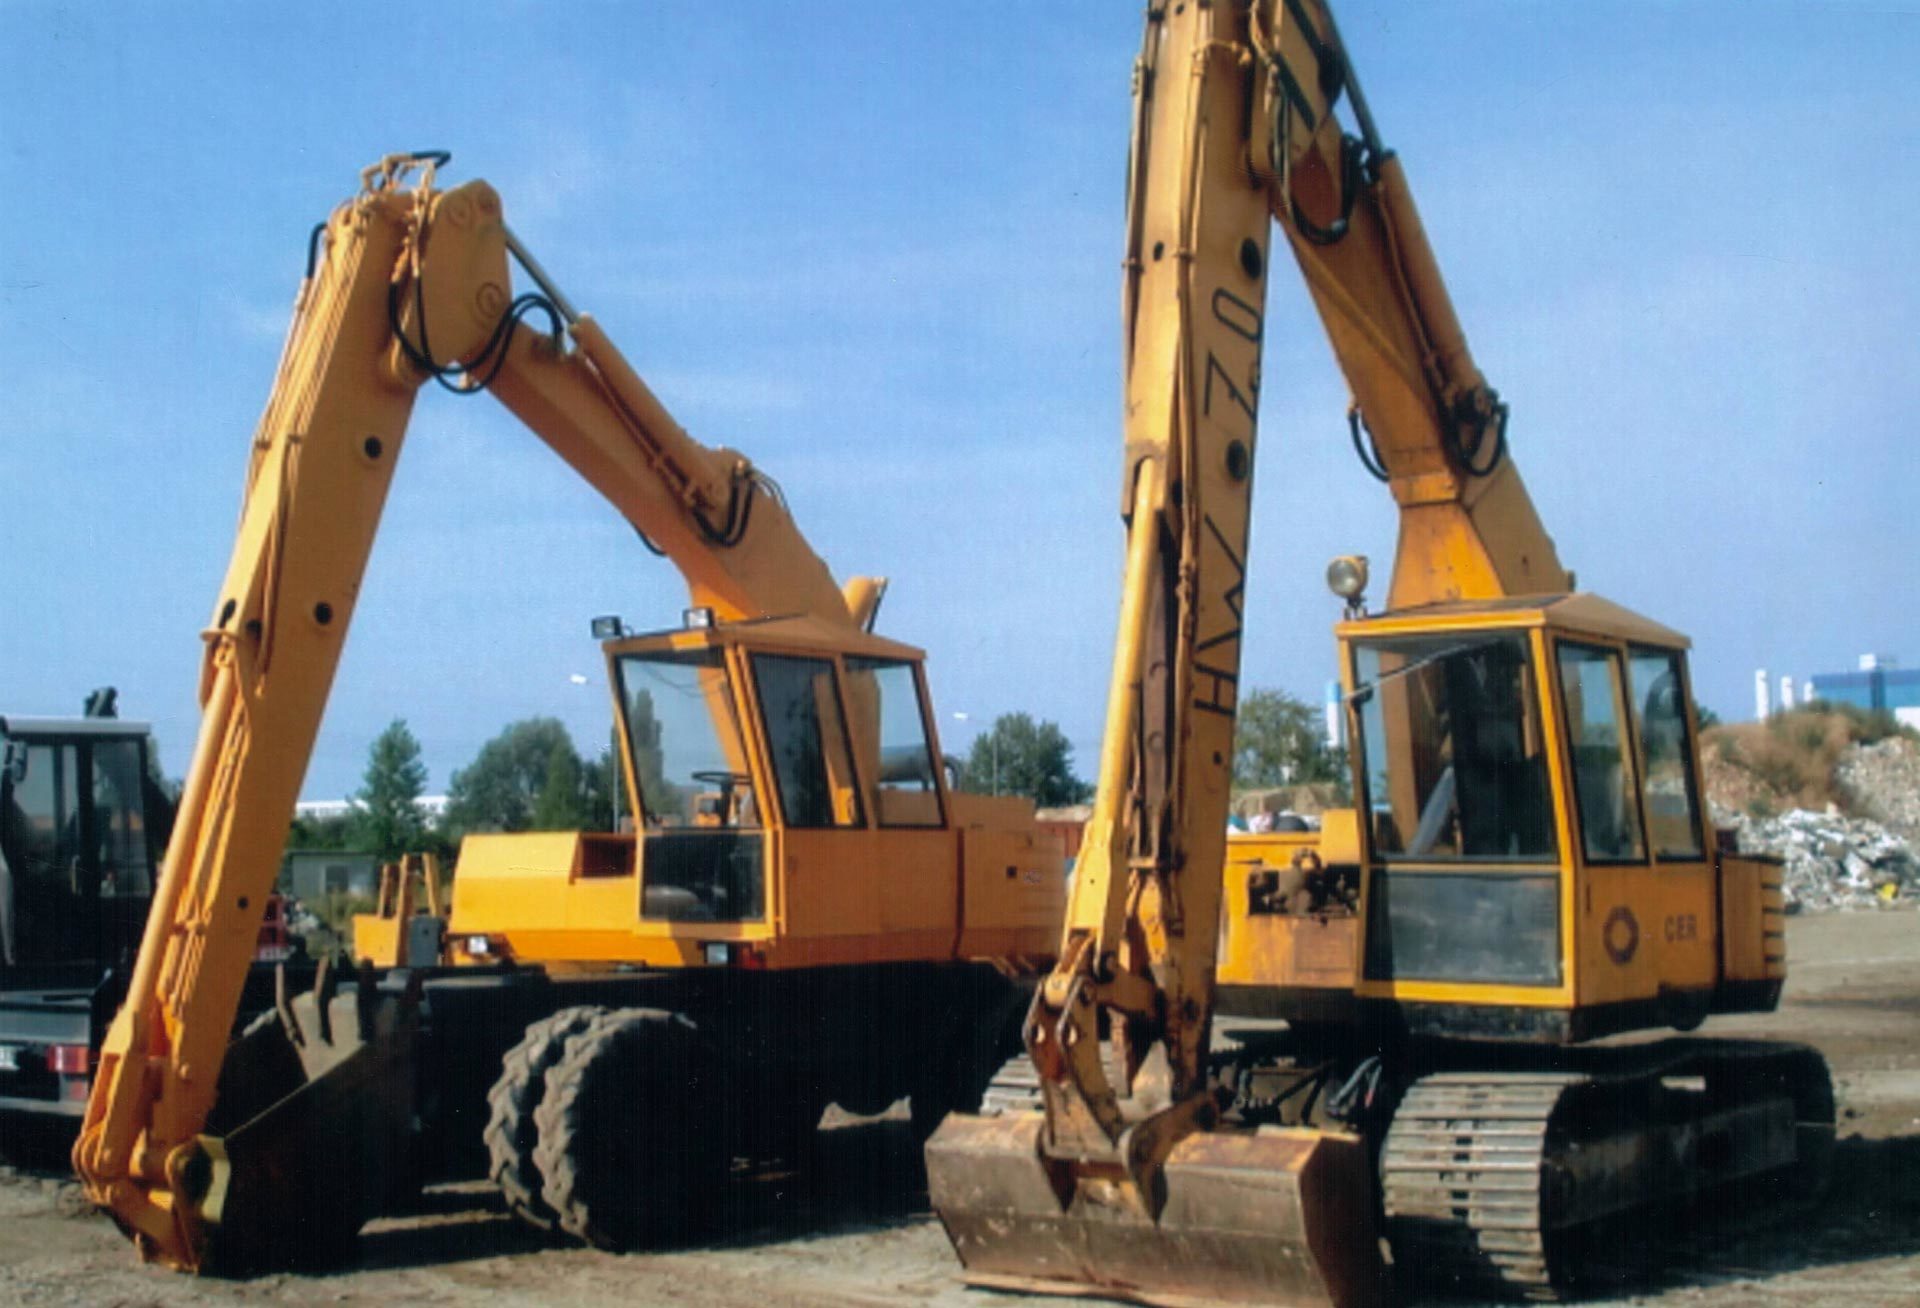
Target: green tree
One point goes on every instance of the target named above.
(329, 833)
(386, 808)
(1019, 756)
(502, 789)
(649, 757)
(561, 804)
(1279, 740)
(603, 782)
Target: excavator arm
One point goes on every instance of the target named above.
(1124, 1184)
(1423, 419)
(407, 283)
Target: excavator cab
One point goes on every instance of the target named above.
(1533, 858)
(757, 755)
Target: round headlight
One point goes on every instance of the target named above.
(1347, 576)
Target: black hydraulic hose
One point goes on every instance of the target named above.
(313, 248)
(1351, 181)
(1364, 445)
(1497, 421)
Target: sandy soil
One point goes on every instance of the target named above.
(854, 1228)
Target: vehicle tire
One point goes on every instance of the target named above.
(632, 1150)
(510, 1133)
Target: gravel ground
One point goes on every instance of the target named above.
(854, 1230)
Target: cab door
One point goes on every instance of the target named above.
(831, 892)
(916, 853)
(1683, 877)
(1644, 889)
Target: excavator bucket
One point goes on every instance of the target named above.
(312, 1132)
(1268, 1216)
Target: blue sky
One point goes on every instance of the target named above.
(876, 247)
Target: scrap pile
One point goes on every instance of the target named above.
(1832, 861)
(1882, 781)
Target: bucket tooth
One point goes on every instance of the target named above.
(1269, 1217)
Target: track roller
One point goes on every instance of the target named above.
(1554, 1183)
(510, 1133)
(630, 1147)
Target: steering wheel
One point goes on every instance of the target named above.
(724, 780)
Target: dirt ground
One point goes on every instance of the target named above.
(855, 1229)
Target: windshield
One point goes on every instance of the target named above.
(1451, 752)
(687, 756)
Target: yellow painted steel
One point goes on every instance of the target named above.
(410, 281)
(380, 936)
(1697, 925)
(1234, 107)
(1123, 1185)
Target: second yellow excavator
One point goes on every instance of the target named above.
(1528, 866)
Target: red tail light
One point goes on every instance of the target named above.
(69, 1060)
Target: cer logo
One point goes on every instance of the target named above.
(1621, 935)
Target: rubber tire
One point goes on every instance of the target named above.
(631, 1150)
(510, 1133)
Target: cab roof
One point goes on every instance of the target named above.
(799, 632)
(23, 727)
(1576, 612)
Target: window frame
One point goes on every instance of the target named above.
(1629, 749)
(916, 672)
(714, 656)
(763, 727)
(1690, 752)
(1361, 761)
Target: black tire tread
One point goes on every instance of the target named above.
(510, 1134)
(624, 1210)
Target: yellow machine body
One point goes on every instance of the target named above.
(789, 801)
(1622, 913)
(1528, 864)
(891, 866)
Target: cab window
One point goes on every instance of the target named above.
(891, 742)
(1452, 753)
(119, 811)
(1666, 752)
(807, 739)
(1597, 745)
(687, 757)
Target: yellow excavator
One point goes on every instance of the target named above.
(1527, 867)
(801, 911)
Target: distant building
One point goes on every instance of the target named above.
(312, 874)
(430, 806)
(1879, 683)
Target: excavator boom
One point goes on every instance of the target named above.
(408, 283)
(1123, 1184)
(1523, 764)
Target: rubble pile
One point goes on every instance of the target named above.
(1882, 781)
(1832, 861)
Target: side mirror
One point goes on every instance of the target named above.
(15, 767)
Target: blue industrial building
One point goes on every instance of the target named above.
(1878, 684)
